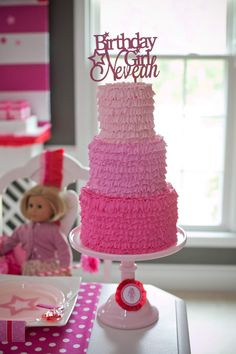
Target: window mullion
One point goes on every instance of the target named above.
(229, 187)
(229, 202)
(231, 27)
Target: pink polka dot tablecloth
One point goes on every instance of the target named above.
(71, 338)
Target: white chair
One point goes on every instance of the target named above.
(72, 172)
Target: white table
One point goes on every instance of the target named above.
(167, 336)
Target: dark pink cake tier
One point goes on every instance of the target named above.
(120, 225)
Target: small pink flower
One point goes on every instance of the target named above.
(90, 264)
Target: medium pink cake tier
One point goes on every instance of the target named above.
(130, 169)
(120, 225)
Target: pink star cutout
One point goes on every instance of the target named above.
(97, 58)
(14, 308)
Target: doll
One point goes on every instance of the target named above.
(45, 248)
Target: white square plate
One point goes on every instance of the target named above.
(65, 292)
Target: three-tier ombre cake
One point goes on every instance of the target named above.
(127, 207)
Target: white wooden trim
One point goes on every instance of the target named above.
(206, 239)
(176, 276)
(85, 123)
(229, 205)
(33, 49)
(189, 277)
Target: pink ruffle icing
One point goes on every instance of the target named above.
(126, 136)
(122, 225)
(127, 169)
(113, 92)
(126, 111)
(127, 207)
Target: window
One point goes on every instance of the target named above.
(191, 93)
(195, 109)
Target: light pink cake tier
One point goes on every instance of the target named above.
(128, 225)
(135, 170)
(125, 113)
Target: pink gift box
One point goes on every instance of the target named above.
(14, 110)
(12, 331)
(5, 109)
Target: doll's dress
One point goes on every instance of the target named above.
(37, 267)
(45, 248)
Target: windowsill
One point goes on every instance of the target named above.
(211, 239)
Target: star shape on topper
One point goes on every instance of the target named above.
(18, 304)
(97, 58)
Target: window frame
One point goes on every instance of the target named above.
(86, 23)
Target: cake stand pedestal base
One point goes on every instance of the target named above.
(111, 313)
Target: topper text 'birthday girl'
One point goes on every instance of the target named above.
(133, 58)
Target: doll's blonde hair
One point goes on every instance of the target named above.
(51, 194)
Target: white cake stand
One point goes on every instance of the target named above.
(111, 313)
